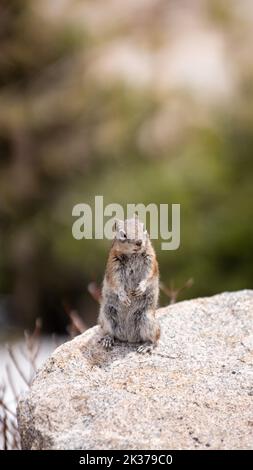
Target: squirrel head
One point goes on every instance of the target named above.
(130, 235)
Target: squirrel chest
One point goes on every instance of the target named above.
(132, 269)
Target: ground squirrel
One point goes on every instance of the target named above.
(130, 289)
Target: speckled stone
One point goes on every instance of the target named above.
(194, 391)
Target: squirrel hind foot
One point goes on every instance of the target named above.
(145, 348)
(107, 342)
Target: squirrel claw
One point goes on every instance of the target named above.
(125, 300)
(139, 290)
(107, 342)
(145, 348)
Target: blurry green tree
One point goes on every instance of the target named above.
(68, 133)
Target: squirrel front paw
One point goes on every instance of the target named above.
(107, 342)
(124, 299)
(140, 289)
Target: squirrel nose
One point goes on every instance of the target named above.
(139, 242)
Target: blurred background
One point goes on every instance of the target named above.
(138, 101)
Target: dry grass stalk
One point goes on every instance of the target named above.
(172, 292)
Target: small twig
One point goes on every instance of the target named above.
(4, 419)
(14, 424)
(15, 439)
(77, 321)
(23, 353)
(16, 364)
(10, 438)
(55, 342)
(4, 425)
(95, 291)
(33, 345)
(77, 325)
(11, 382)
(6, 408)
(173, 292)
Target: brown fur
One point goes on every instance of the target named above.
(130, 289)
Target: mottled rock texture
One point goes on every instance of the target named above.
(194, 391)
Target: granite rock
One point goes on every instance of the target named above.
(194, 392)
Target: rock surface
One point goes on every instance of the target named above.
(194, 391)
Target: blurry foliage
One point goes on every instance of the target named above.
(66, 136)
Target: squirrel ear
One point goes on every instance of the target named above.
(117, 225)
(146, 234)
